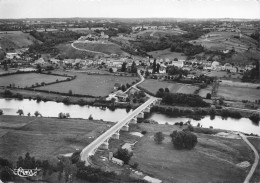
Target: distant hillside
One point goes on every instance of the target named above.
(15, 39)
(226, 40)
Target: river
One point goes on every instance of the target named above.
(52, 109)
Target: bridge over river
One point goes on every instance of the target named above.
(113, 132)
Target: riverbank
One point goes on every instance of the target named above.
(198, 113)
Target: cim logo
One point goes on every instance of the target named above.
(25, 172)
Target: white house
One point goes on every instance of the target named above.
(117, 161)
(179, 64)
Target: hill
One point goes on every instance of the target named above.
(226, 40)
(105, 48)
(15, 39)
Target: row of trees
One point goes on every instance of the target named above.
(191, 100)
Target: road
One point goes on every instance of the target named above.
(134, 86)
(80, 49)
(251, 172)
(87, 151)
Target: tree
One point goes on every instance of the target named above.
(20, 112)
(123, 88)
(1, 112)
(175, 59)
(36, 113)
(158, 137)
(184, 139)
(154, 66)
(133, 67)
(111, 70)
(167, 90)
(158, 67)
(124, 155)
(208, 96)
(70, 92)
(39, 68)
(123, 68)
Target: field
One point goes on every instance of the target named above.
(256, 143)
(167, 54)
(238, 93)
(154, 85)
(95, 85)
(15, 39)
(99, 47)
(214, 159)
(226, 40)
(159, 33)
(23, 80)
(67, 51)
(45, 138)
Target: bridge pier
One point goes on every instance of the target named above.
(115, 135)
(140, 115)
(125, 128)
(147, 109)
(133, 121)
(104, 145)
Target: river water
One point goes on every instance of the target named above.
(52, 109)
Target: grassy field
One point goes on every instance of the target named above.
(214, 159)
(99, 47)
(256, 143)
(237, 93)
(66, 51)
(15, 39)
(154, 85)
(167, 54)
(23, 80)
(159, 33)
(45, 138)
(95, 85)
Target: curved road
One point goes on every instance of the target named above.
(80, 49)
(251, 172)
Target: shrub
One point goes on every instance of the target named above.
(124, 155)
(254, 117)
(90, 117)
(144, 132)
(20, 112)
(36, 113)
(66, 100)
(208, 96)
(134, 165)
(1, 112)
(158, 137)
(19, 96)
(8, 93)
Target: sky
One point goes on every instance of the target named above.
(248, 9)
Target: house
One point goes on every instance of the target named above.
(40, 61)
(179, 64)
(118, 96)
(227, 66)
(121, 96)
(152, 180)
(117, 161)
(215, 64)
(12, 55)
